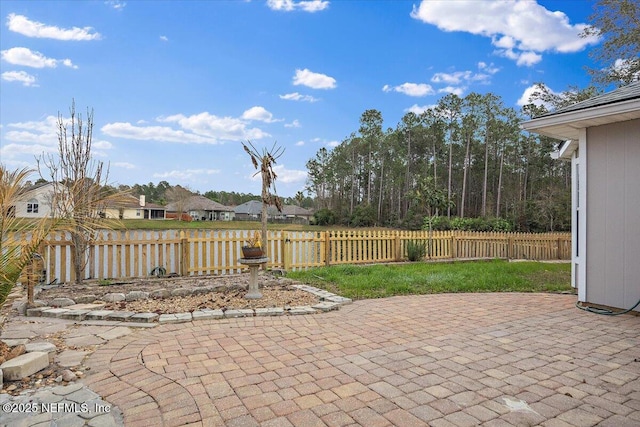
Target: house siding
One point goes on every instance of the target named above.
(613, 214)
(43, 196)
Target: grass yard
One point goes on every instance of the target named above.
(379, 281)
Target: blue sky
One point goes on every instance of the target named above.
(176, 86)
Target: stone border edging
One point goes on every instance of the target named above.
(81, 311)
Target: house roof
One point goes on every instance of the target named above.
(295, 211)
(253, 207)
(133, 202)
(566, 123)
(198, 202)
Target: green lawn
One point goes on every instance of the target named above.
(379, 281)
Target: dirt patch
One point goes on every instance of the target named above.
(228, 293)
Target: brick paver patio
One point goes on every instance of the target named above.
(437, 360)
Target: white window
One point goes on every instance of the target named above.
(32, 206)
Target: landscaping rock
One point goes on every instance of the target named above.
(136, 295)
(201, 290)
(37, 311)
(180, 292)
(68, 375)
(61, 302)
(86, 299)
(113, 297)
(160, 293)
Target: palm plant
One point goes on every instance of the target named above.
(20, 238)
(265, 162)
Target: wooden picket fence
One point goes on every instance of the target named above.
(128, 254)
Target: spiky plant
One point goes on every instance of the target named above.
(20, 238)
(265, 162)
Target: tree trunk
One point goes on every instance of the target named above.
(499, 185)
(464, 177)
(449, 185)
(484, 184)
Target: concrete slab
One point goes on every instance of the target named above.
(116, 332)
(144, 317)
(84, 340)
(86, 306)
(98, 314)
(24, 365)
(271, 311)
(74, 315)
(122, 316)
(245, 312)
(54, 312)
(70, 358)
(42, 346)
(207, 314)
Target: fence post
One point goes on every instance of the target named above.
(327, 248)
(559, 248)
(397, 248)
(184, 255)
(454, 247)
(287, 247)
(510, 247)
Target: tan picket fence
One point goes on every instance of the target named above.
(128, 254)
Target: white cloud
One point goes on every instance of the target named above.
(417, 109)
(115, 4)
(291, 5)
(23, 25)
(293, 124)
(295, 96)
(333, 144)
(526, 97)
(202, 128)
(186, 174)
(313, 80)
(19, 76)
(451, 89)
(260, 114)
(451, 78)
(164, 38)
(488, 68)
(124, 165)
(520, 29)
(285, 176)
(299, 143)
(528, 58)
(37, 137)
(411, 89)
(28, 58)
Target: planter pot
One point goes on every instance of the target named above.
(249, 252)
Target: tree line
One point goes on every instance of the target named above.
(465, 158)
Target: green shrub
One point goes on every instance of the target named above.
(363, 216)
(325, 217)
(416, 251)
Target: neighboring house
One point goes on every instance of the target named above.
(202, 208)
(252, 210)
(295, 213)
(135, 208)
(602, 140)
(35, 202)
